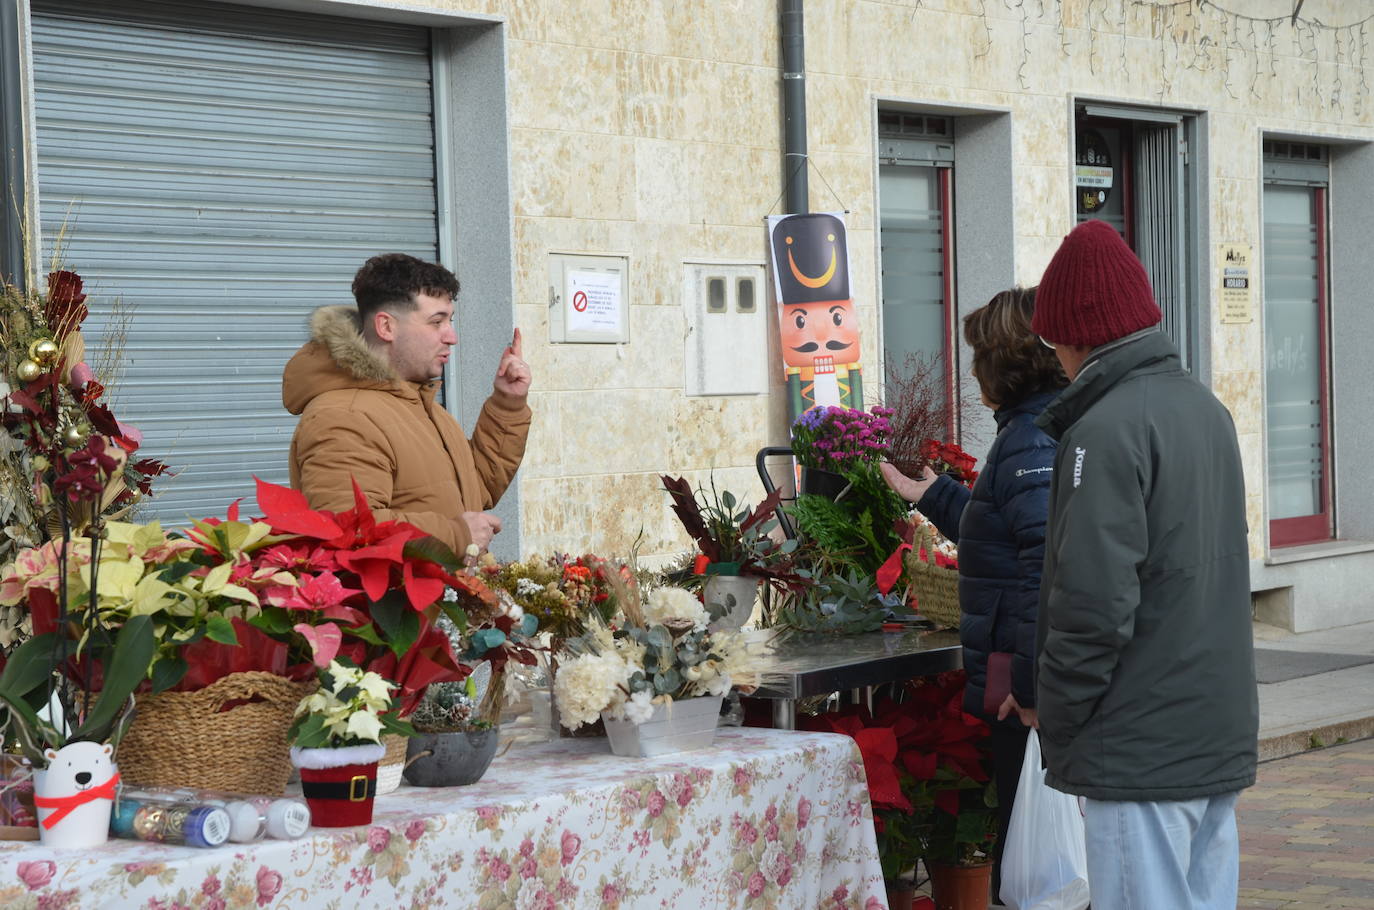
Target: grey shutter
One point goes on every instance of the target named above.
(1159, 225)
(224, 170)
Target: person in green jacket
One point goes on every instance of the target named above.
(1145, 691)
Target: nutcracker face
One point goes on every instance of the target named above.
(814, 330)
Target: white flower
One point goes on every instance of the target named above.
(720, 685)
(639, 707)
(587, 685)
(528, 587)
(674, 605)
(365, 725)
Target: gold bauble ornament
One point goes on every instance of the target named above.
(44, 351)
(76, 435)
(28, 371)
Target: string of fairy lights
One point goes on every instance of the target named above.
(1209, 37)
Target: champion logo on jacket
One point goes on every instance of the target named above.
(1078, 453)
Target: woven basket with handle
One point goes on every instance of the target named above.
(231, 735)
(935, 588)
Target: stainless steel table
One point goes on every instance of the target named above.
(807, 664)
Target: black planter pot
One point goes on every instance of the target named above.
(450, 759)
(823, 483)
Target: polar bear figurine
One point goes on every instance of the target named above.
(75, 794)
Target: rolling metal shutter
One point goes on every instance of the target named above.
(224, 170)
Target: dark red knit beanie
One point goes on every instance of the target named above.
(1094, 291)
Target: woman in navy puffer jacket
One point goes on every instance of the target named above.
(1000, 529)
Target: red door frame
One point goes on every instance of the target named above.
(947, 291)
(1289, 532)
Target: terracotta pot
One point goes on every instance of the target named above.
(961, 887)
(900, 895)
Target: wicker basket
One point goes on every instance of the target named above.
(935, 588)
(231, 735)
(392, 764)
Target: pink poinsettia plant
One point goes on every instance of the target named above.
(288, 593)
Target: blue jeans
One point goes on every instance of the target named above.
(1180, 855)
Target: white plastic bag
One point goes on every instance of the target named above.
(1045, 861)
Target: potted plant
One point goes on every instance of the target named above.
(657, 680)
(737, 550)
(66, 462)
(245, 612)
(337, 740)
(454, 741)
(933, 796)
(861, 524)
(76, 777)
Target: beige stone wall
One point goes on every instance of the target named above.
(651, 129)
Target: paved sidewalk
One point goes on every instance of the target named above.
(1322, 708)
(1307, 832)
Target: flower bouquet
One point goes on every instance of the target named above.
(658, 679)
(948, 458)
(737, 551)
(66, 462)
(337, 743)
(560, 591)
(857, 527)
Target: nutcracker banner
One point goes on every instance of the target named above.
(817, 325)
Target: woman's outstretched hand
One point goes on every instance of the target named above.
(904, 486)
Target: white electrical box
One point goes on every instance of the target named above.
(588, 299)
(727, 328)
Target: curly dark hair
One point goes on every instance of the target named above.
(1009, 362)
(393, 279)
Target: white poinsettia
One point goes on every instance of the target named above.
(346, 710)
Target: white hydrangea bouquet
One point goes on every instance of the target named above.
(663, 652)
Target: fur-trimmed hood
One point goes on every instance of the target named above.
(336, 357)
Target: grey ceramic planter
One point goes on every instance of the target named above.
(450, 759)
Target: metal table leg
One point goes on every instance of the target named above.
(784, 714)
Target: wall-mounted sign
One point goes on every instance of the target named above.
(594, 299)
(588, 299)
(1237, 295)
(1093, 174)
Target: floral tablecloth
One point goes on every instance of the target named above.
(762, 819)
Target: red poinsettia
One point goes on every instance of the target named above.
(948, 458)
(373, 592)
(927, 765)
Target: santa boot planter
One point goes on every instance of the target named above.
(337, 734)
(339, 784)
(74, 795)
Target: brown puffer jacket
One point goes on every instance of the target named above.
(409, 455)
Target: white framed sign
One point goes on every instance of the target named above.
(588, 299)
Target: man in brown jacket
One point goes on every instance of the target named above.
(364, 386)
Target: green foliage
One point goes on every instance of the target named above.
(30, 669)
(846, 602)
(859, 528)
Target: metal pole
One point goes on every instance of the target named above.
(794, 106)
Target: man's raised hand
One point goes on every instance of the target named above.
(513, 374)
